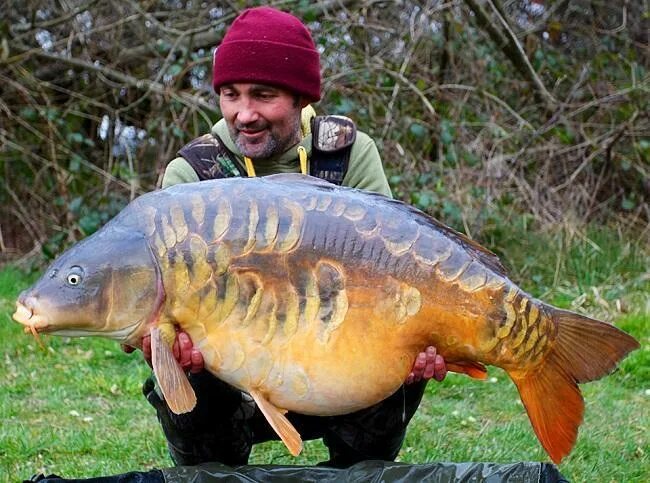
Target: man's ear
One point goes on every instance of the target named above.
(303, 102)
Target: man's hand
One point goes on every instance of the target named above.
(428, 364)
(187, 356)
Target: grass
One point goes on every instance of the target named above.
(76, 409)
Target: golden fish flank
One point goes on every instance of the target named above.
(237, 233)
(430, 250)
(300, 384)
(208, 301)
(308, 202)
(253, 220)
(367, 225)
(407, 303)
(333, 299)
(474, 278)
(453, 267)
(168, 234)
(221, 220)
(511, 314)
(308, 286)
(291, 313)
(521, 329)
(338, 209)
(269, 323)
(149, 214)
(267, 231)
(354, 212)
(230, 296)
(399, 300)
(396, 238)
(232, 356)
(219, 256)
(525, 331)
(291, 224)
(251, 293)
(323, 203)
(494, 283)
(200, 269)
(178, 223)
(366, 264)
(533, 336)
(198, 210)
(260, 363)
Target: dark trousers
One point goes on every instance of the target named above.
(225, 424)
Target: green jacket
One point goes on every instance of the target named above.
(365, 168)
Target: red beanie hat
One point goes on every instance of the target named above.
(266, 46)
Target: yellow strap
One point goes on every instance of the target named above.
(250, 169)
(306, 115)
(302, 154)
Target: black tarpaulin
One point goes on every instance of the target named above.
(371, 471)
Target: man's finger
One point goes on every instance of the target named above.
(420, 363)
(127, 348)
(440, 368)
(146, 348)
(429, 369)
(185, 350)
(418, 368)
(196, 361)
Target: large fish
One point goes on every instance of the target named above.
(316, 299)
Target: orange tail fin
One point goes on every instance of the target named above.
(585, 349)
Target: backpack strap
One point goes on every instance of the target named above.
(332, 140)
(210, 159)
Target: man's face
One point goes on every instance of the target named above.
(263, 121)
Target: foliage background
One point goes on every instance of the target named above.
(487, 113)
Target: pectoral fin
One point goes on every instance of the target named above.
(279, 423)
(173, 382)
(475, 370)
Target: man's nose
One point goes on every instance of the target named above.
(247, 114)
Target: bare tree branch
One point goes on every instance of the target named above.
(506, 40)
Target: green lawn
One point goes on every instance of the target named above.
(75, 409)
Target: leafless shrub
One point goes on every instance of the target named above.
(516, 107)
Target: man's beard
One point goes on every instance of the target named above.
(273, 146)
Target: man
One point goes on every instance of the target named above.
(266, 72)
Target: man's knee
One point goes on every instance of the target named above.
(376, 432)
(215, 430)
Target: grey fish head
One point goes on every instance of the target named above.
(107, 285)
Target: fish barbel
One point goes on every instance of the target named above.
(316, 299)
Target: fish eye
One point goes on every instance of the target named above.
(75, 276)
(74, 279)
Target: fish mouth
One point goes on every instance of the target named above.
(33, 322)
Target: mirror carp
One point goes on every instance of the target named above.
(316, 299)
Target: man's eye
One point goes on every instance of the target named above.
(265, 95)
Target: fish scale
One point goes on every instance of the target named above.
(316, 299)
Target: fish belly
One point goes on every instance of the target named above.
(308, 373)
